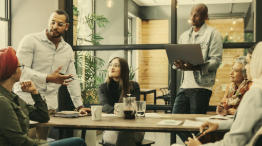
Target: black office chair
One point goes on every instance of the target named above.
(165, 96)
(145, 142)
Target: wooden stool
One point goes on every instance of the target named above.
(145, 142)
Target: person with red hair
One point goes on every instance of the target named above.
(15, 113)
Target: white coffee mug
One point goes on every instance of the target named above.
(119, 109)
(96, 112)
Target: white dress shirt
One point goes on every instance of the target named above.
(41, 58)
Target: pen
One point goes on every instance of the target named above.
(194, 137)
(69, 77)
(200, 133)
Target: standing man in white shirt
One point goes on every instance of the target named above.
(46, 56)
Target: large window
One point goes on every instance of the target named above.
(138, 29)
(235, 22)
(4, 23)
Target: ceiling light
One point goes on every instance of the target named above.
(231, 28)
(189, 21)
(109, 3)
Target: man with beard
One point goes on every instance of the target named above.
(198, 79)
(49, 62)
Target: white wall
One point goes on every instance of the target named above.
(2, 8)
(30, 16)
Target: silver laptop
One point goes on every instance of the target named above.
(187, 53)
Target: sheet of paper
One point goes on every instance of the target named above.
(33, 122)
(189, 123)
(108, 115)
(68, 112)
(151, 115)
(202, 119)
(176, 144)
(223, 117)
(216, 120)
(169, 122)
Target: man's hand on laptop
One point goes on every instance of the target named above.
(183, 66)
(186, 66)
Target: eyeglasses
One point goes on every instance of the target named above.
(21, 66)
(114, 65)
(59, 24)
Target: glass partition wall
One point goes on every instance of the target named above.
(137, 31)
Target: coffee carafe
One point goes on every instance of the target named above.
(129, 107)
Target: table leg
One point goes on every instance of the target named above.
(144, 97)
(172, 137)
(61, 133)
(83, 135)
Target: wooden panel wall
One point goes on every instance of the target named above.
(235, 33)
(153, 64)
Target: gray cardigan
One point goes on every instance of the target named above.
(106, 100)
(247, 121)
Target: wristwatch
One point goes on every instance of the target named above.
(77, 109)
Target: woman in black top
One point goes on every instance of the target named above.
(116, 87)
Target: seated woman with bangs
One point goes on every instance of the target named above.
(116, 87)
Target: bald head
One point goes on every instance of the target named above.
(201, 8)
(199, 14)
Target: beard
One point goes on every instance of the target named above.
(59, 34)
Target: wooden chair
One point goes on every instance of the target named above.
(145, 142)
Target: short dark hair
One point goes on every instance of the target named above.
(62, 12)
(251, 49)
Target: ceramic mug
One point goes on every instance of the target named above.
(119, 109)
(96, 112)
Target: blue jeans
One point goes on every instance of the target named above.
(73, 141)
(192, 101)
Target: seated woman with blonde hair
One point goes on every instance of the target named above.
(236, 89)
(116, 87)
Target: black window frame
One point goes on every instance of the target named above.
(174, 81)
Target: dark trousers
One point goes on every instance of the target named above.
(73, 141)
(191, 101)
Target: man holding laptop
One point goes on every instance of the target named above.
(198, 80)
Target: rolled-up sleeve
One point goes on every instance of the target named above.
(214, 54)
(39, 111)
(25, 54)
(74, 86)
